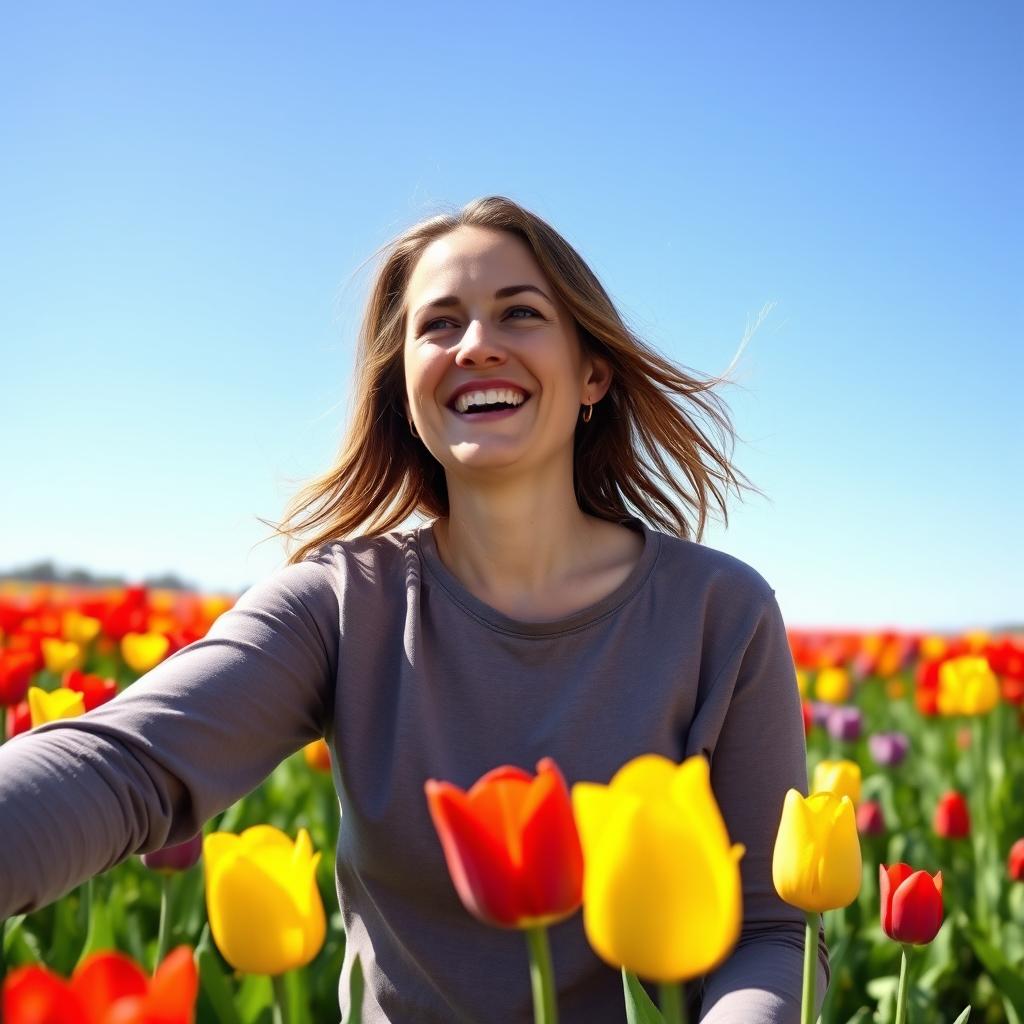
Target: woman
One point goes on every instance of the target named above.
(499, 395)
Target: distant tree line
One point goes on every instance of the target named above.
(48, 572)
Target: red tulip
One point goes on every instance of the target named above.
(911, 903)
(952, 819)
(16, 668)
(808, 716)
(870, 820)
(511, 845)
(106, 988)
(95, 690)
(19, 718)
(1015, 862)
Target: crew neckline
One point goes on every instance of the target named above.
(427, 546)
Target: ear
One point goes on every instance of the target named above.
(598, 379)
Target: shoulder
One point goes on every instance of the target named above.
(356, 567)
(711, 574)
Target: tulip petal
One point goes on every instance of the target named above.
(478, 861)
(498, 807)
(175, 985)
(649, 775)
(917, 909)
(36, 995)
(265, 837)
(691, 790)
(645, 877)
(551, 873)
(889, 880)
(816, 864)
(591, 807)
(103, 978)
(253, 917)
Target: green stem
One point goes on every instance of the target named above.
(901, 998)
(281, 1015)
(541, 980)
(810, 967)
(671, 1002)
(165, 920)
(980, 824)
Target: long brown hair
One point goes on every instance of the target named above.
(383, 474)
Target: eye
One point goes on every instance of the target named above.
(440, 320)
(429, 325)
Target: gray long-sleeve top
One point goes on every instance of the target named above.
(375, 644)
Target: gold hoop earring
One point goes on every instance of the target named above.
(588, 414)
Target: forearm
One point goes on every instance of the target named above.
(762, 982)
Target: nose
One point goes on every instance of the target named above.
(476, 346)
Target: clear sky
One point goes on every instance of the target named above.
(187, 192)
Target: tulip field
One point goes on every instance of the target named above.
(909, 842)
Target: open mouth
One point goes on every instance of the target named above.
(493, 411)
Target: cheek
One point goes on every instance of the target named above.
(424, 371)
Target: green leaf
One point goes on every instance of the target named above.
(213, 981)
(1008, 980)
(962, 1019)
(640, 1008)
(8, 929)
(862, 1015)
(100, 935)
(355, 994)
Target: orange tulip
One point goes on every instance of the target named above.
(511, 845)
(318, 755)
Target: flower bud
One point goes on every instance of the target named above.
(888, 748)
(844, 723)
(178, 857)
(952, 820)
(870, 820)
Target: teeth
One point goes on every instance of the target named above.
(507, 395)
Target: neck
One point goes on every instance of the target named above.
(515, 541)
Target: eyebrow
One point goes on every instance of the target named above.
(501, 293)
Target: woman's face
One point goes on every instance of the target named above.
(476, 334)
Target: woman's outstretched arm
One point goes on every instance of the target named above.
(750, 724)
(186, 740)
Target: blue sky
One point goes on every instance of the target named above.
(187, 194)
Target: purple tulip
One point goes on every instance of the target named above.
(844, 723)
(888, 748)
(179, 857)
(820, 711)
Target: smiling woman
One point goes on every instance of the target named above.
(555, 604)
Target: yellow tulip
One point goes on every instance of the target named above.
(801, 682)
(840, 777)
(967, 686)
(933, 647)
(143, 651)
(816, 865)
(977, 640)
(82, 629)
(61, 655)
(262, 900)
(833, 685)
(661, 882)
(46, 706)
